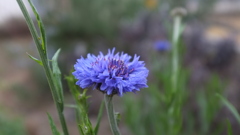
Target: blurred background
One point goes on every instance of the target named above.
(209, 59)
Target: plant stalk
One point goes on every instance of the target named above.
(175, 61)
(46, 66)
(111, 115)
(175, 108)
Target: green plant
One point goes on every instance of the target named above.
(11, 126)
(166, 108)
(53, 75)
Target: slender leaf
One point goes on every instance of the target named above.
(117, 117)
(70, 106)
(53, 126)
(230, 107)
(35, 59)
(57, 78)
(31, 27)
(80, 130)
(229, 127)
(100, 113)
(40, 25)
(44, 59)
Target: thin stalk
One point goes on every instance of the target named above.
(46, 66)
(176, 34)
(111, 115)
(175, 108)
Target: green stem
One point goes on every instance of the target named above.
(111, 115)
(174, 100)
(46, 66)
(176, 34)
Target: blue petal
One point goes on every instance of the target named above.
(120, 88)
(103, 86)
(109, 90)
(86, 83)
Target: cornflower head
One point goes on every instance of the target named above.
(111, 73)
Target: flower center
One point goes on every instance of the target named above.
(119, 67)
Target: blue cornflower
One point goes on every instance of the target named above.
(111, 73)
(162, 45)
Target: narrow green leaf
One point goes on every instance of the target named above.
(35, 59)
(100, 113)
(44, 59)
(57, 78)
(40, 25)
(54, 62)
(70, 106)
(31, 28)
(229, 128)
(53, 126)
(80, 129)
(117, 117)
(90, 130)
(230, 107)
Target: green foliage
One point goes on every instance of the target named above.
(100, 113)
(229, 128)
(53, 78)
(230, 107)
(84, 125)
(57, 79)
(41, 27)
(159, 110)
(35, 59)
(118, 117)
(83, 122)
(162, 111)
(10, 126)
(53, 126)
(88, 19)
(209, 105)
